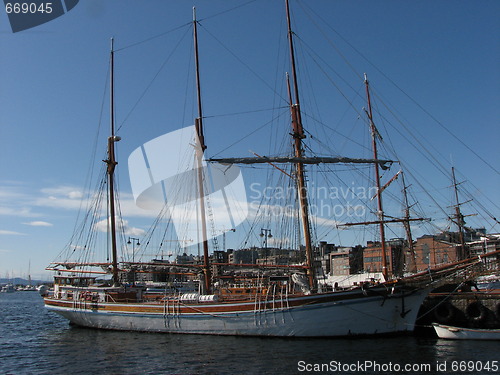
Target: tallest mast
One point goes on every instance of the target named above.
(111, 162)
(298, 135)
(462, 253)
(374, 132)
(201, 147)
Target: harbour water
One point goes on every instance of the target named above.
(35, 341)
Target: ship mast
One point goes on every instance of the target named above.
(459, 219)
(201, 147)
(380, 212)
(298, 135)
(406, 224)
(111, 162)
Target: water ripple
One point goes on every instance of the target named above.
(35, 341)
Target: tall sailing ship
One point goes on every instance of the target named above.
(222, 298)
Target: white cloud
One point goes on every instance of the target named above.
(14, 201)
(16, 211)
(10, 192)
(70, 198)
(66, 191)
(131, 231)
(38, 224)
(326, 222)
(130, 209)
(65, 197)
(57, 202)
(75, 195)
(11, 233)
(102, 226)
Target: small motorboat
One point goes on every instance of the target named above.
(460, 333)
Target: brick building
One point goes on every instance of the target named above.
(372, 256)
(431, 251)
(346, 261)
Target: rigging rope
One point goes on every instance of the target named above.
(251, 133)
(228, 10)
(245, 65)
(408, 96)
(152, 80)
(153, 37)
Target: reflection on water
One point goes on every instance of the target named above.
(35, 341)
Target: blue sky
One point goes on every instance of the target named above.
(442, 55)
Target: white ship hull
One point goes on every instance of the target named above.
(348, 314)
